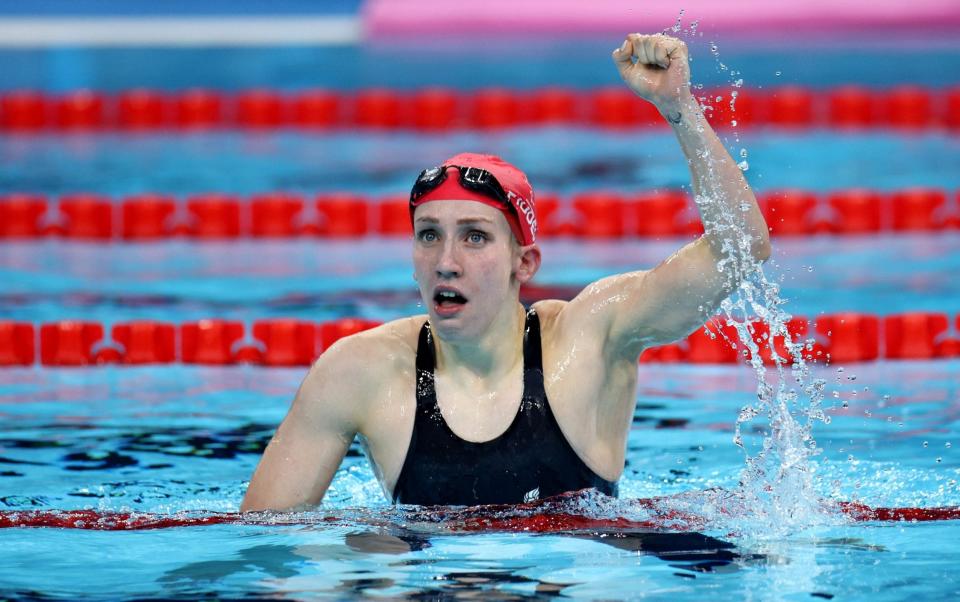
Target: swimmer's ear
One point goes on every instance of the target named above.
(528, 262)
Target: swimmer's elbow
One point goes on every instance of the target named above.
(761, 248)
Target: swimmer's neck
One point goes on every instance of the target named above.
(490, 355)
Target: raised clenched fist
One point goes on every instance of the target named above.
(655, 67)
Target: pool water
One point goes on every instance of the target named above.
(170, 439)
(182, 441)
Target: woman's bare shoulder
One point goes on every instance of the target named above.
(550, 312)
(375, 353)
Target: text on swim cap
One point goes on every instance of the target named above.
(526, 208)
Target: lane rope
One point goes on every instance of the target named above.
(906, 107)
(546, 516)
(591, 215)
(834, 338)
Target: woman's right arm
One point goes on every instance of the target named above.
(300, 461)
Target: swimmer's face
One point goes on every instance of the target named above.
(468, 265)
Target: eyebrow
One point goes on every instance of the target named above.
(460, 222)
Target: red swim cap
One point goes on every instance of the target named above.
(521, 215)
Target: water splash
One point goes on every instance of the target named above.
(777, 492)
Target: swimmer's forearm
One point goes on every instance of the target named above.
(719, 187)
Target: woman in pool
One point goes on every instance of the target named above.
(481, 401)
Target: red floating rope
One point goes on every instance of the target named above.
(597, 215)
(835, 338)
(542, 517)
(439, 109)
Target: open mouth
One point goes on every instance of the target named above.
(448, 301)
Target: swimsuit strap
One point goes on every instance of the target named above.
(426, 360)
(534, 393)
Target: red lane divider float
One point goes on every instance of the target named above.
(87, 216)
(438, 109)
(213, 216)
(276, 342)
(551, 515)
(69, 343)
(276, 215)
(147, 217)
(198, 109)
(24, 110)
(21, 214)
(145, 342)
(81, 110)
(141, 109)
(17, 345)
(837, 338)
(595, 214)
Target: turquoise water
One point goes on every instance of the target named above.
(163, 440)
(381, 163)
(169, 439)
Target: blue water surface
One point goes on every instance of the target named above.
(171, 439)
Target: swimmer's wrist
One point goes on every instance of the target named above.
(685, 111)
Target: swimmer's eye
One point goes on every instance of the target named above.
(477, 237)
(427, 236)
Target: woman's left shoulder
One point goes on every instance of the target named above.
(549, 312)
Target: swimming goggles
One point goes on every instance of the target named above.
(471, 178)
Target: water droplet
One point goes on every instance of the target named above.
(810, 268)
(777, 73)
(743, 153)
(947, 445)
(743, 165)
(925, 444)
(733, 122)
(678, 25)
(939, 459)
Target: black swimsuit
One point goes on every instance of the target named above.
(531, 459)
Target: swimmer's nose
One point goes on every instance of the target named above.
(448, 265)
